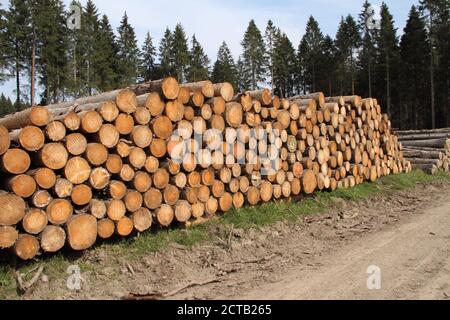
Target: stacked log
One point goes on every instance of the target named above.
(427, 150)
(161, 154)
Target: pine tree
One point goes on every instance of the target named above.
(414, 83)
(50, 23)
(128, 53)
(18, 32)
(198, 68)
(106, 57)
(254, 54)
(148, 59)
(313, 42)
(224, 69)
(387, 60)
(165, 54)
(284, 60)
(180, 53)
(270, 37)
(367, 27)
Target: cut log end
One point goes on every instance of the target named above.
(82, 232)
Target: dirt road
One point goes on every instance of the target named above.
(412, 258)
(404, 235)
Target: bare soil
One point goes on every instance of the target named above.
(324, 256)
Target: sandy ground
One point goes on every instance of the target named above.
(405, 236)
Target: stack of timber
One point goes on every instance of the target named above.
(428, 150)
(126, 161)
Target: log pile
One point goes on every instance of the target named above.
(161, 153)
(427, 150)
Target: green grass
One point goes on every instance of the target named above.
(246, 218)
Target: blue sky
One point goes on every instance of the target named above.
(226, 20)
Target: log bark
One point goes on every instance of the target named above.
(431, 143)
(225, 90)
(5, 140)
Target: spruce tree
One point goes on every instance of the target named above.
(243, 76)
(148, 59)
(347, 41)
(414, 82)
(75, 84)
(442, 45)
(88, 47)
(198, 68)
(270, 38)
(254, 55)
(354, 39)
(3, 48)
(435, 13)
(284, 60)
(18, 32)
(313, 42)
(367, 27)
(165, 54)
(106, 57)
(6, 106)
(128, 53)
(342, 55)
(428, 8)
(387, 59)
(327, 66)
(180, 53)
(224, 69)
(302, 76)
(49, 18)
